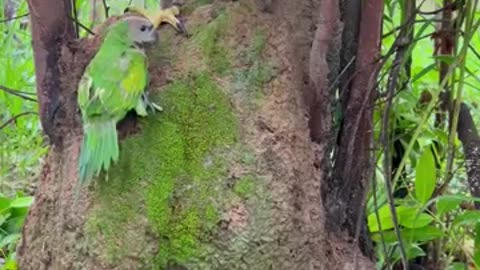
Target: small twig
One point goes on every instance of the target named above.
(400, 27)
(334, 83)
(17, 93)
(403, 41)
(106, 7)
(14, 18)
(474, 51)
(452, 6)
(75, 15)
(377, 214)
(77, 23)
(11, 120)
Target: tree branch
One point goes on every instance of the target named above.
(51, 30)
(14, 18)
(11, 120)
(78, 23)
(106, 7)
(468, 135)
(17, 93)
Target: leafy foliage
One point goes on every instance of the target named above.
(12, 215)
(431, 173)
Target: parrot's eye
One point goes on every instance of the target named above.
(143, 28)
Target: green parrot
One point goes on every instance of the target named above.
(113, 83)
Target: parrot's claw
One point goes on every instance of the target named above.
(151, 105)
(155, 106)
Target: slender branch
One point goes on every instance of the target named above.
(77, 23)
(377, 218)
(106, 7)
(385, 140)
(11, 120)
(17, 93)
(453, 6)
(75, 15)
(14, 18)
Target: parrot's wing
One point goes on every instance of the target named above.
(134, 81)
(116, 90)
(84, 89)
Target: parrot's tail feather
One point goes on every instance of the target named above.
(99, 149)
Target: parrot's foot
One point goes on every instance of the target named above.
(151, 105)
(154, 106)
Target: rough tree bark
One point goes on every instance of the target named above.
(227, 177)
(468, 135)
(345, 190)
(51, 30)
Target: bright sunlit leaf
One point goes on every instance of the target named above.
(425, 177)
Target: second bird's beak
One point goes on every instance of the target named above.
(181, 25)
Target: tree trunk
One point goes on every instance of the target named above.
(226, 177)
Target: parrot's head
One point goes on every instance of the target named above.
(141, 30)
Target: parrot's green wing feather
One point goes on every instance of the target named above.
(135, 80)
(84, 90)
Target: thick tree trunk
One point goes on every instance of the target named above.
(226, 177)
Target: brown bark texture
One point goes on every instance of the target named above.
(253, 200)
(345, 191)
(468, 135)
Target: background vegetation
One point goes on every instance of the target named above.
(439, 225)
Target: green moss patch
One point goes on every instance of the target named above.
(245, 186)
(211, 42)
(171, 173)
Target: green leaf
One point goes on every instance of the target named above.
(423, 72)
(447, 59)
(476, 249)
(10, 263)
(4, 204)
(425, 176)
(22, 202)
(9, 240)
(457, 266)
(415, 221)
(422, 234)
(469, 217)
(447, 203)
(412, 251)
(419, 235)
(4, 218)
(386, 217)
